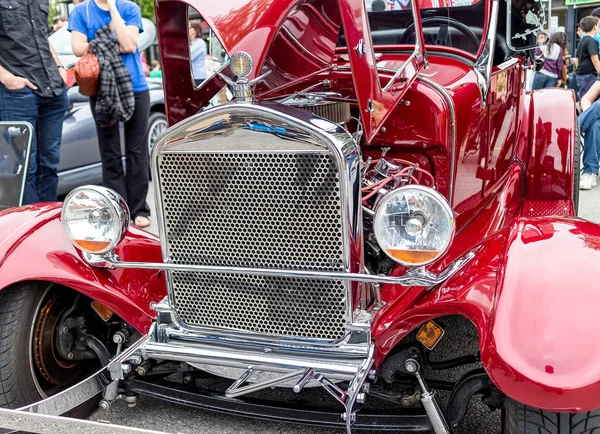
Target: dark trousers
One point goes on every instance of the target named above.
(46, 114)
(584, 82)
(132, 186)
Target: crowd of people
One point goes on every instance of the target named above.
(33, 89)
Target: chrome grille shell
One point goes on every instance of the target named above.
(266, 187)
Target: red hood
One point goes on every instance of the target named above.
(292, 27)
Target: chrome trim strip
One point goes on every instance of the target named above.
(81, 392)
(483, 65)
(450, 102)
(413, 277)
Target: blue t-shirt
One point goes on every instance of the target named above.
(88, 18)
(198, 54)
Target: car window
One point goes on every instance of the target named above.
(453, 23)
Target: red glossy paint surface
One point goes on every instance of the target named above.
(550, 166)
(33, 246)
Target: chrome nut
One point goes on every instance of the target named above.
(360, 398)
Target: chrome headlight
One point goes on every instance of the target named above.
(414, 225)
(95, 218)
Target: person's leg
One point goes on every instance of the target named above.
(22, 105)
(589, 122)
(49, 133)
(584, 82)
(538, 81)
(136, 160)
(109, 142)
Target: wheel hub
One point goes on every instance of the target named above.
(48, 365)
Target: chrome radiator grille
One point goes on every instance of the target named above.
(273, 209)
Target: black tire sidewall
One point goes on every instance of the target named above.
(21, 302)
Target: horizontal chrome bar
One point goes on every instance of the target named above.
(44, 424)
(413, 277)
(219, 355)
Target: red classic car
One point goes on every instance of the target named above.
(381, 176)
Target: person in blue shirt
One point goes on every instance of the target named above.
(197, 52)
(125, 20)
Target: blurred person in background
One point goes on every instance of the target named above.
(197, 52)
(156, 72)
(125, 20)
(542, 38)
(551, 75)
(59, 23)
(588, 65)
(32, 89)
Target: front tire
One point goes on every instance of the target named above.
(29, 368)
(521, 419)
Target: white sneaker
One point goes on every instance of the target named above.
(587, 181)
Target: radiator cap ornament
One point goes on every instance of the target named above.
(241, 65)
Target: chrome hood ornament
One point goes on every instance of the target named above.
(241, 65)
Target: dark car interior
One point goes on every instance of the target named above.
(456, 27)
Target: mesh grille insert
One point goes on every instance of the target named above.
(264, 210)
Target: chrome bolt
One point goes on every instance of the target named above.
(119, 338)
(383, 129)
(366, 387)
(104, 405)
(360, 398)
(126, 367)
(142, 371)
(65, 330)
(407, 103)
(70, 356)
(135, 360)
(411, 366)
(372, 375)
(405, 402)
(153, 305)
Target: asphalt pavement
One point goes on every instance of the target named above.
(158, 415)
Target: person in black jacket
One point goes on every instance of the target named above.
(32, 89)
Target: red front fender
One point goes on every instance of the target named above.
(33, 246)
(533, 294)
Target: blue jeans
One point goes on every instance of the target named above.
(46, 114)
(541, 81)
(589, 122)
(584, 82)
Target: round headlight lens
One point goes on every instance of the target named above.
(241, 64)
(414, 225)
(95, 219)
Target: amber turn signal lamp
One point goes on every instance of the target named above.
(430, 334)
(102, 311)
